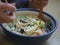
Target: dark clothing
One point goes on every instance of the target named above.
(19, 3)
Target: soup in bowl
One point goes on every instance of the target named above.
(27, 28)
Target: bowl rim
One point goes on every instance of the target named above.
(35, 10)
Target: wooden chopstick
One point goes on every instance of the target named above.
(41, 16)
(6, 1)
(0, 0)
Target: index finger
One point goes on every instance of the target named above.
(9, 7)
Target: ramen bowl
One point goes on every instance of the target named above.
(32, 40)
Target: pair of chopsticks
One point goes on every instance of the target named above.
(5, 1)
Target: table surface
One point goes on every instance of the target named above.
(52, 8)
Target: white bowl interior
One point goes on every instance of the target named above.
(18, 13)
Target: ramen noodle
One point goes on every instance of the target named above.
(27, 26)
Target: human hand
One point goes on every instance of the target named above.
(5, 7)
(37, 3)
